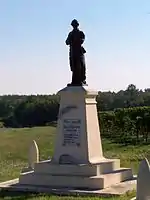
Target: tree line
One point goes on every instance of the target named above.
(39, 110)
(124, 115)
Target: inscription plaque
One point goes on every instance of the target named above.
(71, 132)
(67, 159)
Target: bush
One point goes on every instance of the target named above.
(129, 125)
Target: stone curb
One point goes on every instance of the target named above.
(13, 186)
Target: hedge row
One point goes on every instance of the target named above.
(129, 125)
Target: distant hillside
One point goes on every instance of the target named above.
(37, 110)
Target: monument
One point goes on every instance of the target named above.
(78, 161)
(75, 40)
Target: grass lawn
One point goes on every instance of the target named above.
(14, 145)
(23, 196)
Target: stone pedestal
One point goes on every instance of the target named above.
(78, 135)
(78, 160)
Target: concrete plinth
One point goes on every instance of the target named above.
(78, 134)
(78, 160)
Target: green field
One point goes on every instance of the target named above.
(14, 145)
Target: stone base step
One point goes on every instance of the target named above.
(106, 166)
(93, 182)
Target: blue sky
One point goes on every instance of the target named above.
(34, 57)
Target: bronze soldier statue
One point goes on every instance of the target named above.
(75, 40)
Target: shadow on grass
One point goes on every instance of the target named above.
(5, 194)
(18, 195)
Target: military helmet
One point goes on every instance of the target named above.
(74, 23)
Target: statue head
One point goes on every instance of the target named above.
(74, 23)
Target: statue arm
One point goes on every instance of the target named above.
(82, 37)
(68, 39)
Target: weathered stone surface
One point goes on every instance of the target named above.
(115, 190)
(78, 133)
(143, 181)
(78, 161)
(33, 156)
